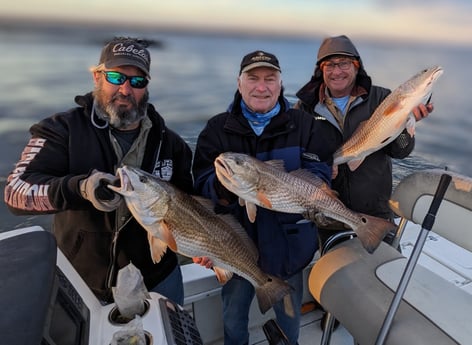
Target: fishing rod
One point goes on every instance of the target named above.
(427, 225)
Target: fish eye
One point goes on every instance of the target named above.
(143, 179)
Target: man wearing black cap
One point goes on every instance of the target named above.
(259, 122)
(73, 155)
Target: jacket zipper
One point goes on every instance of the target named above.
(113, 254)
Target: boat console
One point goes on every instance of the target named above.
(357, 288)
(44, 300)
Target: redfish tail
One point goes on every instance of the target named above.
(273, 291)
(372, 231)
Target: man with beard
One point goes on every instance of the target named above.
(71, 158)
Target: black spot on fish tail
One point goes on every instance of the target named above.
(372, 231)
(273, 291)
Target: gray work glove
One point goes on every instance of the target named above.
(94, 189)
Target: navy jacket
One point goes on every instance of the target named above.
(63, 149)
(286, 242)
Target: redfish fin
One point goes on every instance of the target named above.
(273, 291)
(372, 231)
(410, 125)
(157, 248)
(251, 210)
(262, 198)
(354, 164)
(311, 178)
(168, 237)
(222, 275)
(276, 164)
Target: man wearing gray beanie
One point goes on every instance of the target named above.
(341, 92)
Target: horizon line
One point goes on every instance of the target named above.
(27, 23)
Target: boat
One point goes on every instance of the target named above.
(45, 301)
(389, 298)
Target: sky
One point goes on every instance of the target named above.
(445, 21)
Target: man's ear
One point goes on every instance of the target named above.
(96, 75)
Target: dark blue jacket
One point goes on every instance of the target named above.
(285, 246)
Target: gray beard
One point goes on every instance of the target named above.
(119, 117)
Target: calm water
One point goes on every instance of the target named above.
(194, 77)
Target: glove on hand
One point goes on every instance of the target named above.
(94, 189)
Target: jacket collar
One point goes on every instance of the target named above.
(357, 91)
(235, 106)
(237, 123)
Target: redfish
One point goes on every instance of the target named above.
(268, 185)
(389, 119)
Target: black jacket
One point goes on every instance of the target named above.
(63, 149)
(369, 187)
(286, 242)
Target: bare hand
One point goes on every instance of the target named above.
(334, 172)
(422, 111)
(203, 261)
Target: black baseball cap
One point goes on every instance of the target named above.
(126, 51)
(259, 58)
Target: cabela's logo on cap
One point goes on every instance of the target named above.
(122, 49)
(126, 51)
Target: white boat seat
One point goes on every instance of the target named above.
(357, 288)
(413, 195)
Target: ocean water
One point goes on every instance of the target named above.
(194, 77)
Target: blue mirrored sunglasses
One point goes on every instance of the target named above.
(118, 78)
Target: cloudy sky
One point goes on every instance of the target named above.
(424, 20)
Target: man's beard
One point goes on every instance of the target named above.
(119, 116)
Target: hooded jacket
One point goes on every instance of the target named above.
(64, 149)
(369, 187)
(286, 242)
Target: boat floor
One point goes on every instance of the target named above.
(451, 262)
(310, 332)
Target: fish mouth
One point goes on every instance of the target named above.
(125, 182)
(223, 170)
(438, 71)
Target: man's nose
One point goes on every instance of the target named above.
(126, 88)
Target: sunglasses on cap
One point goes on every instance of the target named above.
(118, 78)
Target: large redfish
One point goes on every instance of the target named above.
(389, 119)
(268, 185)
(188, 226)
